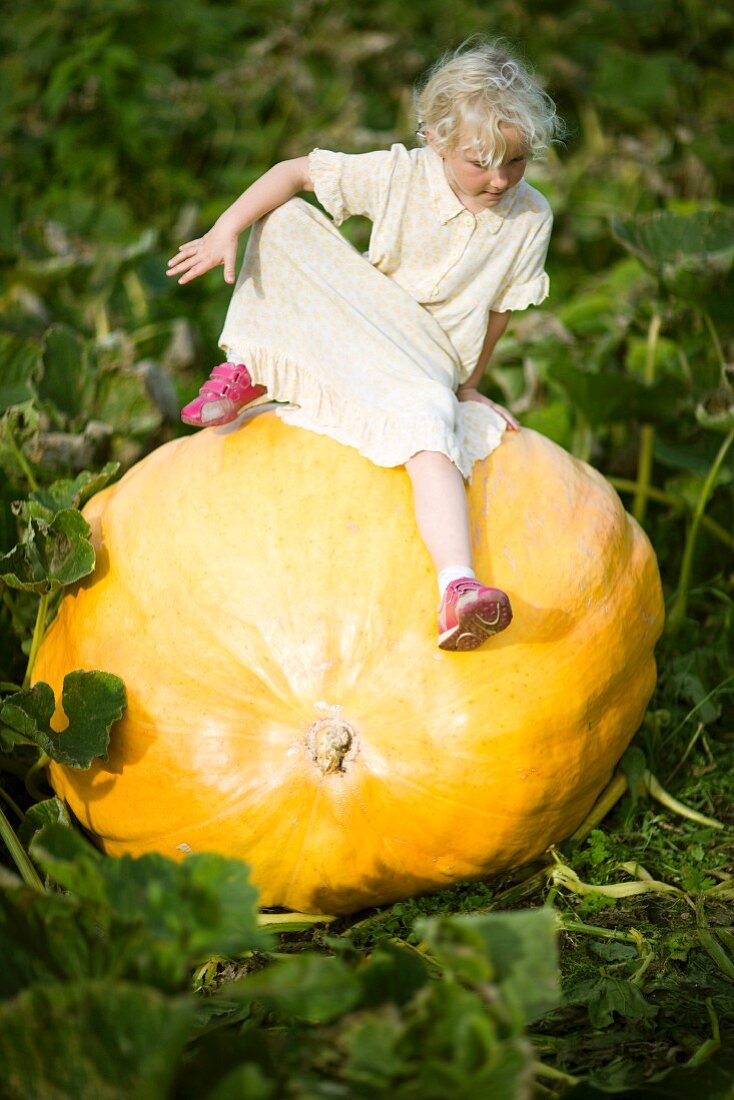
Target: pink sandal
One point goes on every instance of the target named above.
(470, 613)
(226, 392)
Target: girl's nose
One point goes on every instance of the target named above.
(498, 178)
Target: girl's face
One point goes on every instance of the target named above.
(480, 188)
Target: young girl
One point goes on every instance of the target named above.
(385, 352)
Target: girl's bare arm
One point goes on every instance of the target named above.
(219, 245)
(468, 390)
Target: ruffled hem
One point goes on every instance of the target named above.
(524, 295)
(386, 440)
(325, 178)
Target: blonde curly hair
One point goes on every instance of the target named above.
(475, 91)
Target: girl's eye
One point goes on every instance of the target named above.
(515, 160)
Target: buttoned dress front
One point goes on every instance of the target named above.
(370, 349)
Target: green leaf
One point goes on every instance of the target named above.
(92, 703)
(92, 1039)
(50, 937)
(607, 396)
(516, 950)
(22, 714)
(65, 372)
(376, 1048)
(652, 76)
(18, 426)
(21, 366)
(694, 458)
(244, 1081)
(689, 684)
(73, 493)
(608, 996)
(634, 766)
(552, 420)
(717, 411)
(8, 526)
(689, 253)
(665, 238)
(314, 988)
(460, 1046)
(52, 554)
(28, 712)
(714, 1080)
(50, 812)
(613, 952)
(223, 1057)
(589, 313)
(9, 739)
(122, 400)
(391, 974)
(171, 913)
(667, 356)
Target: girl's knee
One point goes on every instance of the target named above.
(427, 460)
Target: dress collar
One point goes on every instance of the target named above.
(447, 205)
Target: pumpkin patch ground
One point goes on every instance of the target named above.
(247, 622)
(264, 594)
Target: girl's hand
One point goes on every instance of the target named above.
(468, 393)
(218, 246)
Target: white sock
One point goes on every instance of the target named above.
(452, 573)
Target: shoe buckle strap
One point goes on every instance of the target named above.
(227, 380)
(230, 372)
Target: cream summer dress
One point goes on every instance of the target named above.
(370, 349)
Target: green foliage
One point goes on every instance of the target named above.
(712, 1081)
(515, 947)
(603, 397)
(690, 253)
(112, 954)
(21, 367)
(146, 920)
(51, 811)
(91, 1038)
(51, 555)
(68, 493)
(126, 129)
(92, 703)
(606, 998)
(598, 850)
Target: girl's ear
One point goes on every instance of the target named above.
(430, 139)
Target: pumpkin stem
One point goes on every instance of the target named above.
(329, 740)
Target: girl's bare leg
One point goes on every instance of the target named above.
(441, 509)
(469, 612)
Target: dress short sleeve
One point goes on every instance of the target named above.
(351, 183)
(527, 283)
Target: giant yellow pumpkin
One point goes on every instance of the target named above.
(266, 598)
